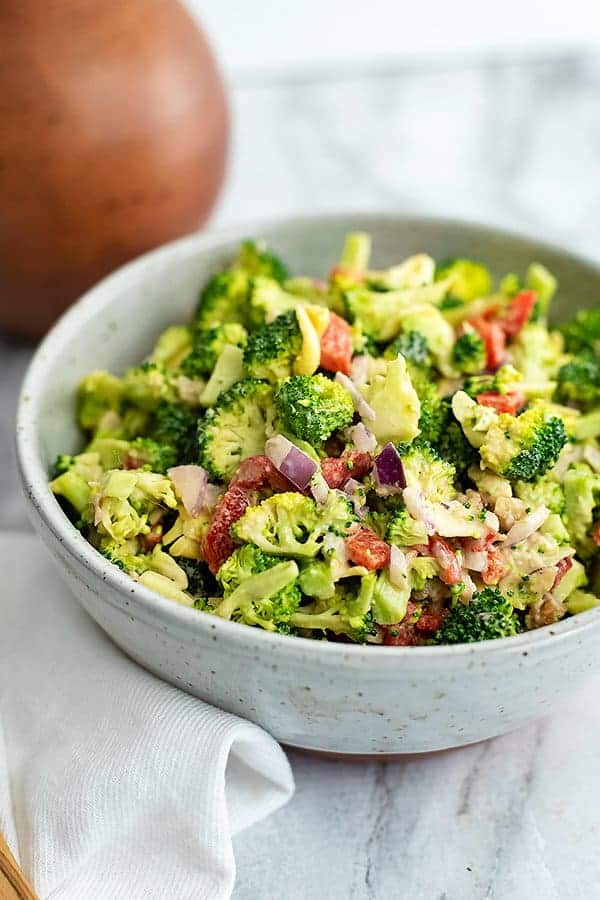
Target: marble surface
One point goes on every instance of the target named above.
(511, 143)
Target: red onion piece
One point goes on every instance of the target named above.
(389, 470)
(363, 439)
(355, 492)
(190, 483)
(418, 507)
(319, 488)
(293, 463)
(360, 404)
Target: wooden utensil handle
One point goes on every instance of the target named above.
(13, 885)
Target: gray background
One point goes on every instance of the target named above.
(504, 141)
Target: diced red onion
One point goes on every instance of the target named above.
(527, 526)
(190, 483)
(418, 508)
(398, 569)
(363, 439)
(389, 470)
(360, 404)
(296, 465)
(475, 560)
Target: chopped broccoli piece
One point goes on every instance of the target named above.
(475, 420)
(148, 385)
(235, 428)
(208, 345)
(581, 601)
(290, 524)
(412, 345)
(425, 469)
(389, 601)
(579, 381)
(255, 258)
(62, 463)
(177, 426)
(172, 347)
(573, 579)
(583, 332)
(98, 393)
(223, 299)
(348, 612)
(543, 282)
(404, 531)
(523, 447)
(272, 349)
(393, 399)
(438, 333)
(381, 315)
(228, 370)
(470, 279)
(468, 354)
(452, 445)
(268, 300)
(415, 271)
(582, 497)
(542, 492)
(312, 407)
(76, 491)
(150, 453)
(487, 616)
(270, 607)
(506, 378)
(433, 415)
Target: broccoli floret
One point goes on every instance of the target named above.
(433, 411)
(148, 385)
(177, 426)
(468, 354)
(62, 463)
(470, 279)
(475, 420)
(404, 531)
(543, 282)
(348, 612)
(235, 428)
(425, 469)
(208, 345)
(488, 615)
(542, 492)
(452, 445)
(75, 490)
(223, 299)
(98, 393)
(583, 333)
(124, 499)
(271, 608)
(579, 381)
(272, 349)
(268, 300)
(415, 271)
(201, 582)
(582, 497)
(150, 453)
(438, 333)
(312, 407)
(290, 524)
(255, 258)
(393, 399)
(382, 315)
(412, 345)
(538, 354)
(172, 347)
(506, 378)
(523, 447)
(353, 261)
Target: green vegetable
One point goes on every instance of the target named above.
(425, 469)
(543, 282)
(523, 447)
(235, 428)
(313, 407)
(97, 393)
(468, 353)
(228, 370)
(148, 385)
(272, 349)
(579, 381)
(582, 497)
(488, 615)
(177, 426)
(290, 524)
(391, 395)
(412, 345)
(469, 280)
(172, 347)
(269, 601)
(583, 332)
(152, 455)
(404, 531)
(208, 345)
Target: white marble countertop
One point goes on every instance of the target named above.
(515, 144)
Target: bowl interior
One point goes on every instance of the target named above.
(117, 322)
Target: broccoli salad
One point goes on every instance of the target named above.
(404, 456)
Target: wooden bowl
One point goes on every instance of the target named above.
(113, 140)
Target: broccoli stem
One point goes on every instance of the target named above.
(356, 252)
(259, 586)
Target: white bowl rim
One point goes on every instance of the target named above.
(182, 619)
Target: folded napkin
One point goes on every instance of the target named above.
(113, 784)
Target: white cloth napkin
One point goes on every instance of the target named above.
(113, 784)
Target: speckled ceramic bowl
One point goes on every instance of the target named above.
(322, 696)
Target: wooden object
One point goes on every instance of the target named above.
(113, 135)
(13, 885)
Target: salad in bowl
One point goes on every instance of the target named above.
(391, 457)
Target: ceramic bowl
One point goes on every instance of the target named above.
(329, 697)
